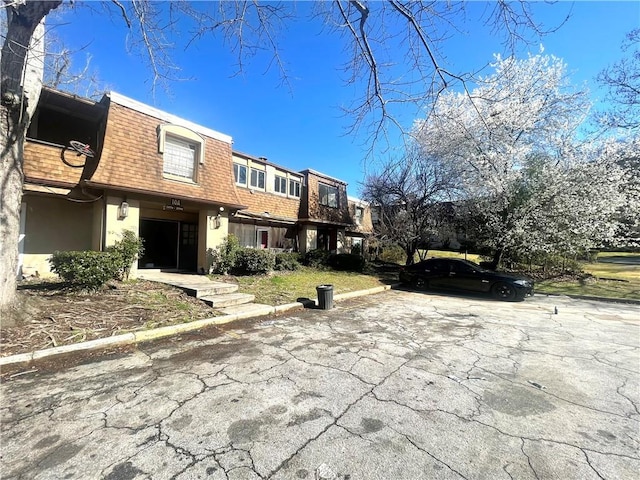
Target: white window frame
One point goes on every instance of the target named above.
(182, 136)
(280, 184)
(246, 176)
(359, 218)
(179, 159)
(260, 175)
(294, 182)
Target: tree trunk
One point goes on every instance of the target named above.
(497, 256)
(410, 252)
(21, 69)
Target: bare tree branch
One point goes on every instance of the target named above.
(623, 81)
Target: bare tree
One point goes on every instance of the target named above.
(623, 81)
(412, 197)
(21, 68)
(397, 54)
(62, 72)
(396, 60)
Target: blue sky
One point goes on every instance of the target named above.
(304, 127)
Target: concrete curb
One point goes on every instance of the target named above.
(629, 301)
(146, 335)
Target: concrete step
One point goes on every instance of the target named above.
(247, 309)
(208, 289)
(227, 299)
(195, 285)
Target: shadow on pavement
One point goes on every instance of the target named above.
(307, 302)
(487, 297)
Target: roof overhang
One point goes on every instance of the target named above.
(73, 105)
(201, 201)
(265, 217)
(315, 221)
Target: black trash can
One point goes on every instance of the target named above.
(325, 296)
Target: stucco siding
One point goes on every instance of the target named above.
(54, 224)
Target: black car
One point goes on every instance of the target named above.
(466, 276)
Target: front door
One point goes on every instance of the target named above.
(188, 249)
(160, 239)
(327, 239)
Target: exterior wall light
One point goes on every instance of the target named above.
(215, 222)
(123, 210)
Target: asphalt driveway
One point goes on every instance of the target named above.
(398, 385)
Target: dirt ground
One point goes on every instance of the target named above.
(49, 315)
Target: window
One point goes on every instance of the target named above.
(179, 158)
(240, 174)
(257, 179)
(359, 215)
(280, 185)
(294, 188)
(182, 150)
(328, 195)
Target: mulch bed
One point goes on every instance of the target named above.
(51, 315)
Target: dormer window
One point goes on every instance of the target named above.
(240, 174)
(328, 195)
(280, 185)
(182, 151)
(257, 179)
(179, 158)
(294, 188)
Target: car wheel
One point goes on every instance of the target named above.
(504, 291)
(420, 284)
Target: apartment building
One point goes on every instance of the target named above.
(93, 169)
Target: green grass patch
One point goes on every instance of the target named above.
(597, 288)
(618, 254)
(613, 270)
(610, 280)
(279, 288)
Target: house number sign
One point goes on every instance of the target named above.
(174, 204)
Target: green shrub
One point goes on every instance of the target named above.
(223, 258)
(393, 254)
(317, 258)
(125, 251)
(347, 262)
(251, 260)
(287, 261)
(89, 270)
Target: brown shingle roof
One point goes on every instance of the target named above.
(130, 160)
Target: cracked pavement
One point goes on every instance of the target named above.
(398, 385)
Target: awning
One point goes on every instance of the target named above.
(266, 217)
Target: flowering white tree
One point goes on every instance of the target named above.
(530, 185)
(627, 155)
(574, 205)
